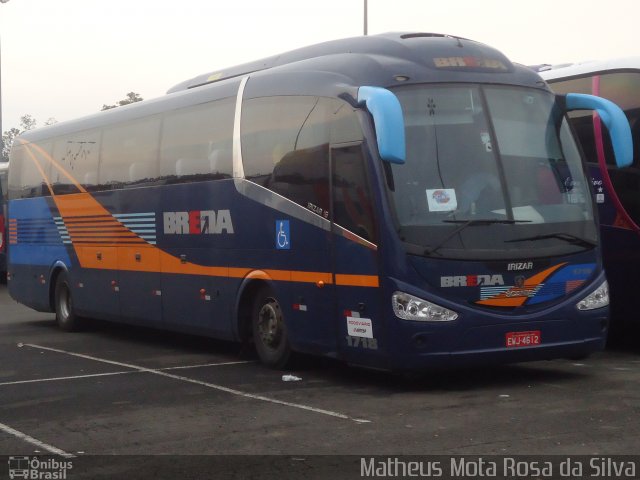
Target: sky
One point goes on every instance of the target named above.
(66, 58)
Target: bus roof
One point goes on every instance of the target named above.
(446, 58)
(568, 70)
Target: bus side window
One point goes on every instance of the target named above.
(17, 158)
(285, 147)
(196, 142)
(77, 155)
(635, 135)
(626, 181)
(123, 146)
(352, 206)
(3, 187)
(28, 163)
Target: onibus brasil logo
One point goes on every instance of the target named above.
(38, 468)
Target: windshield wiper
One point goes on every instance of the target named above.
(485, 221)
(470, 223)
(567, 237)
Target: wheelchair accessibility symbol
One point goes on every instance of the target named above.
(282, 235)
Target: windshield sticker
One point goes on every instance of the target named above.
(442, 200)
(597, 186)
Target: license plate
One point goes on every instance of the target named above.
(522, 339)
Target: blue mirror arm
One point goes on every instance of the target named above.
(388, 120)
(613, 117)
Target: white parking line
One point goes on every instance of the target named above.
(220, 364)
(198, 382)
(74, 377)
(122, 372)
(34, 441)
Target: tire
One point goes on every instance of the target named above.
(269, 330)
(65, 314)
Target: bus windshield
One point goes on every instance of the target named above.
(491, 172)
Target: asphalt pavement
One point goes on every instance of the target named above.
(125, 391)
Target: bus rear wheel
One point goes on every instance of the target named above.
(269, 330)
(65, 314)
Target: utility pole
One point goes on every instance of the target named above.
(1, 137)
(366, 14)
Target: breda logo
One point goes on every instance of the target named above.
(197, 222)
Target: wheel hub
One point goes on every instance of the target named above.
(270, 325)
(65, 307)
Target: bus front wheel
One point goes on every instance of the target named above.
(269, 330)
(65, 314)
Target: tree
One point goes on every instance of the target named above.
(131, 97)
(27, 122)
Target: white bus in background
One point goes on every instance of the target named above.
(617, 190)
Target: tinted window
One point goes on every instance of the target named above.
(197, 142)
(285, 145)
(488, 153)
(352, 207)
(129, 153)
(621, 88)
(3, 185)
(77, 155)
(30, 165)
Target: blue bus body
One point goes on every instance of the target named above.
(297, 221)
(616, 190)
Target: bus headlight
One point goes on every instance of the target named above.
(596, 299)
(408, 307)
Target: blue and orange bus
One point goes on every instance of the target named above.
(617, 191)
(397, 201)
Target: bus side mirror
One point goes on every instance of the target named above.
(388, 120)
(615, 120)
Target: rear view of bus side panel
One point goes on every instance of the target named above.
(36, 244)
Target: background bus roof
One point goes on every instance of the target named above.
(566, 70)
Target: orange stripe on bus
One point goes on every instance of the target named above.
(357, 280)
(81, 210)
(92, 226)
(105, 232)
(97, 235)
(165, 263)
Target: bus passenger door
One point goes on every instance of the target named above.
(358, 310)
